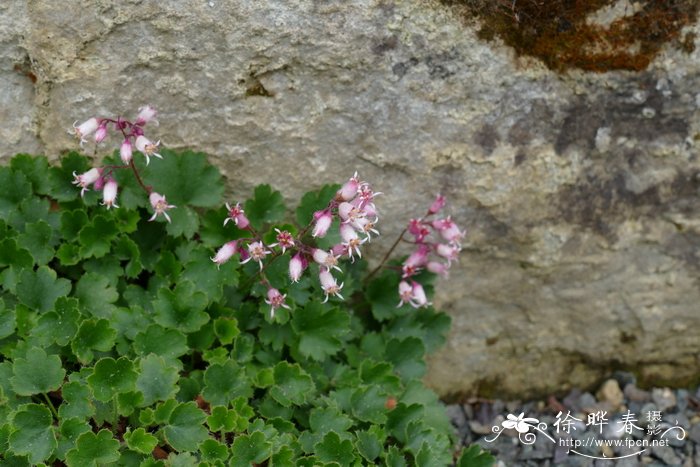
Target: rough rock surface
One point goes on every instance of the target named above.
(580, 191)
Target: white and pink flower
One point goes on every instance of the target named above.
(159, 205)
(276, 300)
(237, 215)
(257, 252)
(86, 179)
(329, 285)
(148, 148)
(86, 128)
(324, 219)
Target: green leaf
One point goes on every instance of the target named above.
(7, 321)
(96, 237)
(92, 335)
(400, 417)
(157, 380)
(314, 201)
(266, 206)
(292, 384)
(383, 296)
(369, 443)
(72, 222)
(226, 329)
(37, 373)
(323, 420)
(77, 401)
(39, 289)
(128, 402)
(68, 254)
(168, 343)
(333, 449)
(213, 451)
(407, 357)
(37, 238)
(185, 429)
(224, 382)
(184, 221)
(59, 325)
(394, 458)
(111, 377)
(222, 419)
(368, 404)
(127, 250)
(320, 331)
(207, 278)
(12, 255)
(174, 176)
(68, 434)
(93, 450)
(140, 441)
(35, 168)
(14, 187)
(182, 308)
(96, 295)
(250, 449)
(33, 434)
(474, 456)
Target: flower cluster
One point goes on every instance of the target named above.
(354, 209)
(438, 243)
(132, 136)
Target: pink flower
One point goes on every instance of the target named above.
(147, 148)
(86, 179)
(225, 253)
(126, 152)
(437, 205)
(146, 114)
(284, 240)
(418, 229)
(437, 267)
(351, 240)
(276, 300)
(452, 234)
(236, 214)
(99, 184)
(416, 261)
(326, 259)
(323, 223)
(349, 213)
(365, 195)
(365, 226)
(449, 252)
(419, 298)
(109, 193)
(159, 205)
(329, 285)
(296, 267)
(405, 293)
(84, 129)
(101, 132)
(349, 189)
(257, 252)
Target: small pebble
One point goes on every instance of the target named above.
(611, 393)
(663, 398)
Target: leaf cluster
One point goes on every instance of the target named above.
(121, 343)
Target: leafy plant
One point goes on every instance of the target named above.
(123, 344)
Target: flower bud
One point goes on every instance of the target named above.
(126, 152)
(225, 253)
(324, 219)
(146, 114)
(437, 205)
(109, 193)
(296, 267)
(101, 133)
(349, 189)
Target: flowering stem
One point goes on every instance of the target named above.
(138, 178)
(387, 255)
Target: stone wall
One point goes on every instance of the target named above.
(579, 190)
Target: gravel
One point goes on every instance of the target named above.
(644, 439)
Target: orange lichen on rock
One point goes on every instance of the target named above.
(563, 35)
